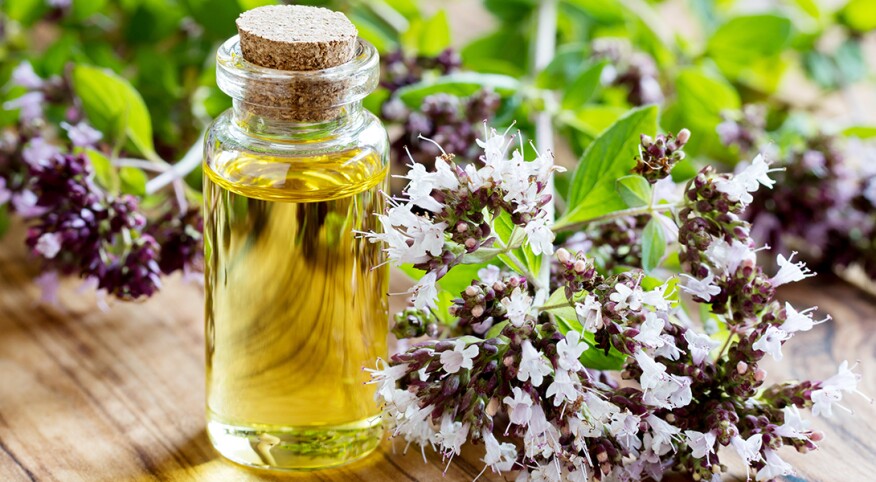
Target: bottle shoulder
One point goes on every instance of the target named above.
(341, 164)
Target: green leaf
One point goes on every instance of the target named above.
(133, 181)
(583, 87)
(103, 170)
(701, 98)
(592, 357)
(503, 226)
(500, 52)
(566, 65)
(24, 11)
(496, 330)
(4, 219)
(592, 192)
(653, 244)
(859, 15)
(435, 35)
(634, 190)
(462, 84)
(111, 104)
(746, 48)
(861, 132)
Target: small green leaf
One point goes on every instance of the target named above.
(496, 330)
(634, 190)
(653, 244)
(859, 15)
(583, 87)
(435, 35)
(861, 132)
(4, 220)
(133, 181)
(504, 227)
(592, 191)
(104, 171)
(593, 357)
(461, 84)
(109, 102)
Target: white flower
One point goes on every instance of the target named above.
(25, 204)
(590, 314)
(757, 173)
(517, 306)
(563, 388)
(29, 104)
(748, 450)
(800, 320)
(653, 372)
(831, 390)
(735, 190)
(700, 444)
(495, 147)
(794, 426)
(656, 298)
(460, 357)
(703, 288)
(662, 433)
(410, 239)
(775, 467)
(452, 434)
(539, 236)
(425, 292)
(24, 76)
(489, 274)
(699, 345)
(39, 154)
(668, 350)
(727, 257)
(771, 342)
(419, 188)
(660, 388)
(533, 366)
(519, 407)
(499, 457)
(650, 330)
(790, 272)
(625, 297)
(444, 177)
(48, 245)
(624, 426)
(385, 378)
(82, 134)
(569, 350)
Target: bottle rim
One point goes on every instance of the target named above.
(347, 83)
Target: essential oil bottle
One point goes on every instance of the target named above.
(296, 298)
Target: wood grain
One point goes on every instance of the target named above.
(99, 395)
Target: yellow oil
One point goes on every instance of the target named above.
(296, 307)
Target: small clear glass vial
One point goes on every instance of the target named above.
(296, 298)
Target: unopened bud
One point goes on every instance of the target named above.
(563, 255)
(471, 243)
(646, 140)
(498, 286)
(816, 436)
(477, 311)
(492, 406)
(683, 136)
(580, 266)
(697, 477)
(760, 374)
(716, 468)
(602, 457)
(741, 367)
(461, 227)
(471, 290)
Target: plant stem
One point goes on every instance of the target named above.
(545, 47)
(514, 262)
(615, 215)
(187, 164)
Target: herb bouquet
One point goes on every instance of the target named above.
(566, 372)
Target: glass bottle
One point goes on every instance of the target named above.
(296, 301)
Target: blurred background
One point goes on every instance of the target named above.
(790, 78)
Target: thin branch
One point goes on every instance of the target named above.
(615, 215)
(545, 47)
(192, 159)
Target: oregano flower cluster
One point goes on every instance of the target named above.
(534, 378)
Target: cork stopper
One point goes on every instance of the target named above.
(302, 46)
(296, 37)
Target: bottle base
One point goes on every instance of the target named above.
(295, 448)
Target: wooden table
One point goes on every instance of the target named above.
(114, 395)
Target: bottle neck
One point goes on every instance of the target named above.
(271, 123)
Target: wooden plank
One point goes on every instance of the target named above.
(119, 394)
